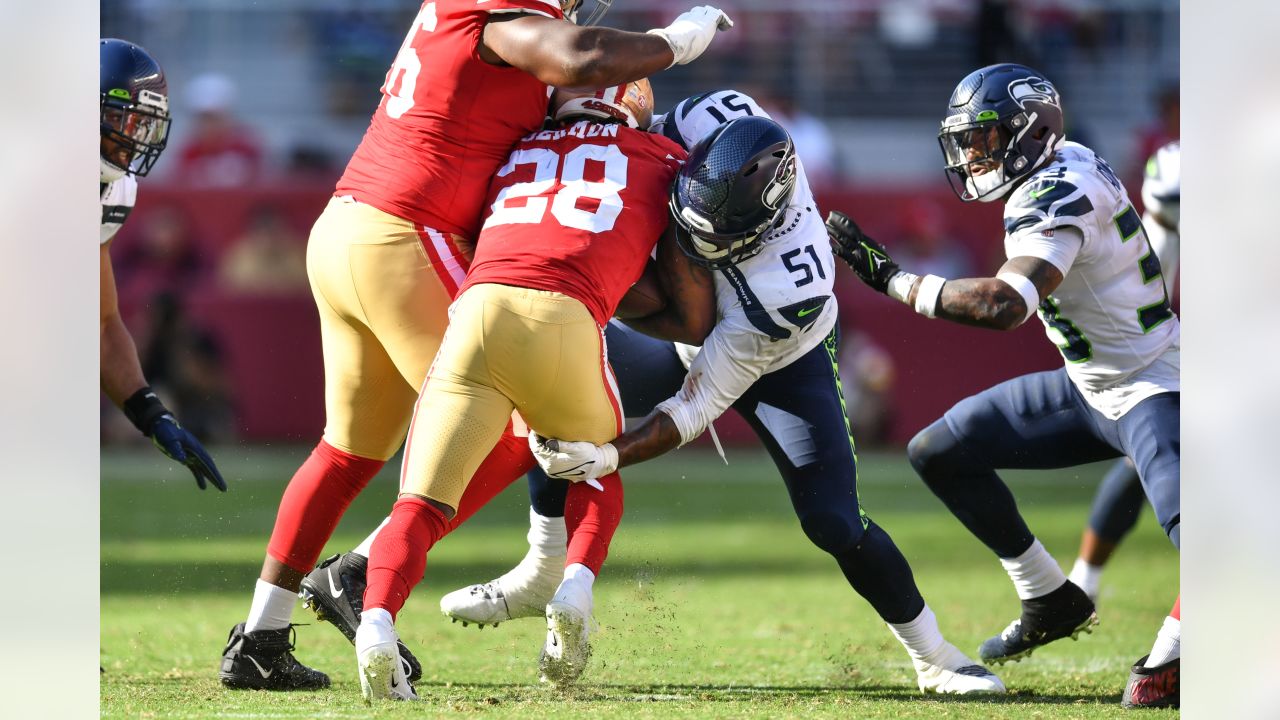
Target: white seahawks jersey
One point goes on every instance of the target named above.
(1162, 199)
(118, 198)
(1110, 317)
(771, 308)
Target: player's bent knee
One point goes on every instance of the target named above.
(932, 451)
(834, 531)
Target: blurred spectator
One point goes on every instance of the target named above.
(866, 379)
(1164, 129)
(998, 36)
(814, 144)
(270, 257)
(221, 152)
(359, 46)
(184, 363)
(311, 163)
(925, 245)
(160, 253)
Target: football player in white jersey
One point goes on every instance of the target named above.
(745, 212)
(1077, 253)
(1119, 498)
(134, 113)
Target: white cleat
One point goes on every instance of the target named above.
(524, 591)
(567, 648)
(956, 674)
(382, 673)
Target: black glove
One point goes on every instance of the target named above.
(154, 420)
(867, 257)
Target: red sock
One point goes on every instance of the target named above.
(1176, 612)
(508, 460)
(398, 557)
(591, 517)
(313, 503)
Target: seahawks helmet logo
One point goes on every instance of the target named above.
(784, 179)
(1033, 89)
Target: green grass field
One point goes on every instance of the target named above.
(712, 604)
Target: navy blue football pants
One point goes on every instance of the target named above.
(798, 413)
(1040, 421)
(1117, 502)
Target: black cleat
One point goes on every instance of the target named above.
(1155, 687)
(1065, 612)
(261, 660)
(334, 591)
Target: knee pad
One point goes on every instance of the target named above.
(833, 530)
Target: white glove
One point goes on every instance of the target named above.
(691, 33)
(574, 461)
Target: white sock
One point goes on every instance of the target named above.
(1034, 573)
(365, 545)
(548, 536)
(921, 636)
(1086, 576)
(376, 628)
(581, 574)
(272, 607)
(1168, 643)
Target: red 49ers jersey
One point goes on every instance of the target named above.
(577, 210)
(447, 119)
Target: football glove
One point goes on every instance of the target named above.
(154, 420)
(574, 461)
(867, 257)
(691, 33)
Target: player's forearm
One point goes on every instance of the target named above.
(654, 436)
(602, 57)
(121, 373)
(981, 302)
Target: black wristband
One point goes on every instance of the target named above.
(143, 408)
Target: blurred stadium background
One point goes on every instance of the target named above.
(270, 99)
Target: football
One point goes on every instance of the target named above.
(645, 297)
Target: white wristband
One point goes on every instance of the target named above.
(1025, 288)
(900, 285)
(928, 294)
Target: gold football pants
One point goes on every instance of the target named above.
(382, 287)
(507, 348)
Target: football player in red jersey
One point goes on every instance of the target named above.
(573, 216)
(391, 249)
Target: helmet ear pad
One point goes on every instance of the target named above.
(733, 188)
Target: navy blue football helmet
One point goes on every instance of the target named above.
(1003, 122)
(134, 109)
(733, 188)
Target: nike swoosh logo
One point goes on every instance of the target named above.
(333, 589)
(264, 673)
(810, 311)
(1035, 194)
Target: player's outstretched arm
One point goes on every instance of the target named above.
(690, 312)
(566, 55)
(123, 382)
(1002, 302)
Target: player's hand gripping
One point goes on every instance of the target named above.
(690, 34)
(154, 420)
(574, 461)
(867, 257)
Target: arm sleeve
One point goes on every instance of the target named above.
(731, 361)
(1058, 246)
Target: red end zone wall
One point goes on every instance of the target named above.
(271, 345)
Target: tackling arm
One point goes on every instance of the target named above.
(1002, 302)
(562, 54)
(690, 312)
